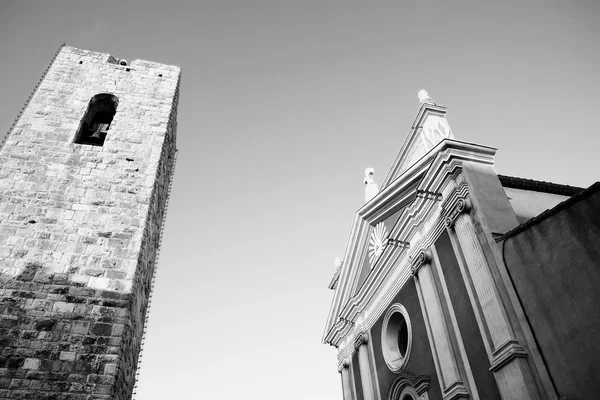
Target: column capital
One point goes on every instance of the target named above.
(363, 338)
(422, 258)
(343, 365)
(462, 205)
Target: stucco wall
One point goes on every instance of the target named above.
(528, 204)
(555, 267)
(420, 360)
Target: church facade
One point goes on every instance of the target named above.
(459, 283)
(85, 176)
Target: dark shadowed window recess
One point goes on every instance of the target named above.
(97, 119)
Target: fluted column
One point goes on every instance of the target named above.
(444, 358)
(344, 369)
(366, 374)
(507, 357)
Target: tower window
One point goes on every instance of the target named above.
(97, 119)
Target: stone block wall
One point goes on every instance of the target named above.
(80, 226)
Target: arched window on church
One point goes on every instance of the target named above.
(97, 119)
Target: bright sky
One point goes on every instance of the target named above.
(283, 104)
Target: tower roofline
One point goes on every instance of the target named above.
(109, 58)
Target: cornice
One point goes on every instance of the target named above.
(349, 257)
(424, 110)
(335, 279)
(375, 210)
(433, 173)
(411, 220)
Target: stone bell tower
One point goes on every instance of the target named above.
(85, 174)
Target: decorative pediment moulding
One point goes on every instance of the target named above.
(429, 127)
(359, 340)
(419, 192)
(418, 384)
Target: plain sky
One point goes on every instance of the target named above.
(283, 104)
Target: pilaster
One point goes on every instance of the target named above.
(448, 370)
(366, 373)
(344, 370)
(507, 357)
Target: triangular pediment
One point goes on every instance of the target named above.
(429, 128)
(406, 198)
(403, 207)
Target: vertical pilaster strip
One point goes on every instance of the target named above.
(439, 335)
(482, 282)
(366, 374)
(346, 384)
(507, 358)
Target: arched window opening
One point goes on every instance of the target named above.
(409, 387)
(97, 119)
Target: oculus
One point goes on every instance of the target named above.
(396, 337)
(377, 242)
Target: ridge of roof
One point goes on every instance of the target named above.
(548, 213)
(538, 186)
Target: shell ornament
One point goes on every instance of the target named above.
(377, 242)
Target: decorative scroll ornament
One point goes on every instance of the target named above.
(344, 364)
(377, 242)
(462, 206)
(363, 338)
(424, 257)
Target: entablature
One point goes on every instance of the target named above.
(419, 192)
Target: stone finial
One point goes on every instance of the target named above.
(371, 188)
(424, 97)
(337, 263)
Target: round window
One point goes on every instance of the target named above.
(396, 337)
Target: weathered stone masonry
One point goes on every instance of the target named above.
(80, 227)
